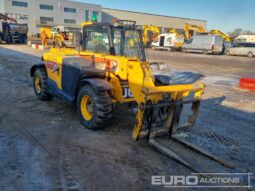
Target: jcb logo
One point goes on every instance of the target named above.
(127, 93)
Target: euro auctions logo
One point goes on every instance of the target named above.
(209, 180)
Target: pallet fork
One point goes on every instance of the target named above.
(170, 127)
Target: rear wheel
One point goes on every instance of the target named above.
(170, 49)
(8, 40)
(184, 50)
(227, 52)
(41, 85)
(20, 39)
(95, 108)
(250, 54)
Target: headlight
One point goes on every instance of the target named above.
(109, 66)
(100, 65)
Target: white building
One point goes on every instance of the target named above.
(72, 13)
(49, 12)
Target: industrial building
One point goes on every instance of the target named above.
(164, 22)
(49, 12)
(71, 14)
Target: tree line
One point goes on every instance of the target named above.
(240, 31)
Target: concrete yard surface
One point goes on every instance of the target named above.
(43, 145)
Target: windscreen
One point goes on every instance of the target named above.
(128, 43)
(97, 39)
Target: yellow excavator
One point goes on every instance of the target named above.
(150, 34)
(188, 28)
(109, 67)
(57, 34)
(225, 37)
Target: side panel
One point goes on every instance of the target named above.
(54, 71)
(71, 72)
(70, 78)
(218, 43)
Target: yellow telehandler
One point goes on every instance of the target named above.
(109, 67)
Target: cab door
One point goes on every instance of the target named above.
(236, 49)
(162, 41)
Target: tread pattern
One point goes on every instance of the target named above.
(44, 95)
(102, 110)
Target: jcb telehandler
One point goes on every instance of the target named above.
(109, 66)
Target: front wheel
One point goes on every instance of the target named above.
(184, 50)
(95, 108)
(40, 84)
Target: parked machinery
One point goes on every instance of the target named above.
(188, 28)
(150, 34)
(60, 35)
(169, 41)
(108, 67)
(205, 44)
(225, 37)
(11, 31)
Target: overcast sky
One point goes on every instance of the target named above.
(225, 15)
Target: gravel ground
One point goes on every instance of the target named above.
(43, 146)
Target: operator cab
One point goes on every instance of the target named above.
(120, 39)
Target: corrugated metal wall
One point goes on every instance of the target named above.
(164, 22)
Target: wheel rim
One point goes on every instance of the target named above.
(38, 88)
(86, 108)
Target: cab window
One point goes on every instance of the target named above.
(117, 41)
(97, 39)
(169, 40)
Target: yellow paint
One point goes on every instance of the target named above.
(56, 56)
(129, 72)
(38, 84)
(147, 29)
(138, 127)
(86, 108)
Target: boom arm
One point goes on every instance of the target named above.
(189, 27)
(223, 35)
(146, 30)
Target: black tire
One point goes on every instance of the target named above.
(184, 50)
(24, 39)
(227, 52)
(8, 40)
(102, 108)
(170, 49)
(20, 39)
(250, 54)
(44, 94)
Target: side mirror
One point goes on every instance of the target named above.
(77, 40)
